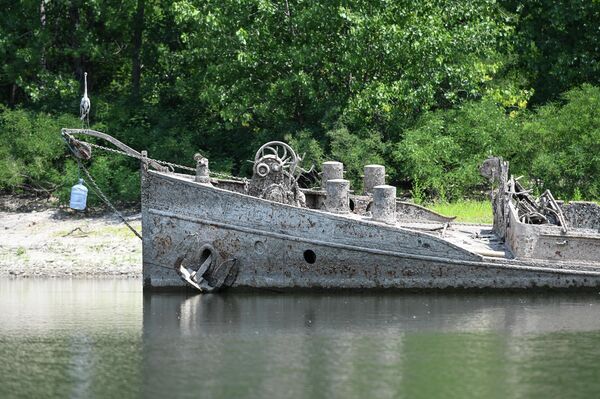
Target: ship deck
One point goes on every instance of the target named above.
(477, 238)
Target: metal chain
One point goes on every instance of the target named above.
(226, 176)
(104, 198)
(107, 149)
(101, 147)
(173, 165)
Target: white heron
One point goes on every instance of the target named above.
(84, 107)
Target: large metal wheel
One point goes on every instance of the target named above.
(275, 154)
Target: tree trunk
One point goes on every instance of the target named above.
(43, 28)
(13, 95)
(136, 62)
(77, 60)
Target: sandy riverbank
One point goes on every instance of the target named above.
(61, 243)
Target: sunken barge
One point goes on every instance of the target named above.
(266, 232)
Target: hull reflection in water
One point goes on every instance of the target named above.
(103, 338)
(371, 345)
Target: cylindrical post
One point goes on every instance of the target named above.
(374, 176)
(337, 200)
(384, 204)
(144, 159)
(331, 170)
(202, 169)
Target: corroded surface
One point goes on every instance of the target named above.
(581, 214)
(337, 200)
(551, 242)
(541, 228)
(496, 171)
(384, 204)
(283, 246)
(406, 211)
(276, 167)
(331, 170)
(374, 176)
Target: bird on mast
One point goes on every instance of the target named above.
(84, 107)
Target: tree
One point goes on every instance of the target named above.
(254, 69)
(557, 44)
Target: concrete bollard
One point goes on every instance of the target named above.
(144, 160)
(337, 200)
(374, 176)
(202, 169)
(331, 170)
(384, 204)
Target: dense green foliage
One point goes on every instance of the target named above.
(557, 146)
(30, 149)
(32, 158)
(429, 88)
(562, 150)
(441, 153)
(557, 43)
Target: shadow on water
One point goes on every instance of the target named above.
(105, 338)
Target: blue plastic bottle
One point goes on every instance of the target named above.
(79, 194)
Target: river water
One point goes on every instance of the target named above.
(105, 338)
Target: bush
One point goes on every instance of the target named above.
(557, 147)
(35, 159)
(561, 148)
(118, 181)
(442, 152)
(355, 152)
(31, 150)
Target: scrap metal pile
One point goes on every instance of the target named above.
(507, 189)
(543, 210)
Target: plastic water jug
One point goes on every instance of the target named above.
(79, 194)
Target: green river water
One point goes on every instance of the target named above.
(63, 338)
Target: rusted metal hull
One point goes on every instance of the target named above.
(284, 247)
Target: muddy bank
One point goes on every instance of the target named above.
(55, 242)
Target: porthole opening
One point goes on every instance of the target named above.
(352, 205)
(310, 256)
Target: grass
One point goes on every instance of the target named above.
(120, 231)
(115, 230)
(467, 211)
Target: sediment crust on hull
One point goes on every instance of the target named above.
(277, 246)
(171, 282)
(348, 268)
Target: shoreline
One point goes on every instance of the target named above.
(55, 242)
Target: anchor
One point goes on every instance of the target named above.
(202, 269)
